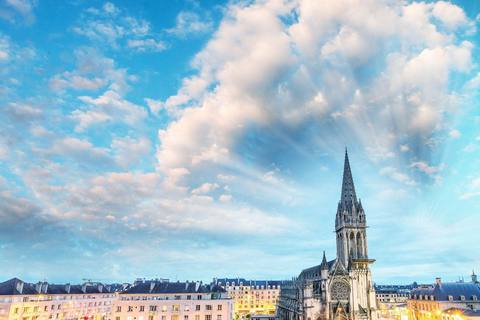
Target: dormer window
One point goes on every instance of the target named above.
(450, 298)
(474, 298)
(432, 298)
(462, 298)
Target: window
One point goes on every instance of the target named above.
(175, 307)
(189, 297)
(219, 307)
(164, 317)
(208, 317)
(197, 317)
(197, 307)
(142, 308)
(153, 308)
(219, 317)
(185, 317)
(208, 307)
(15, 311)
(149, 318)
(164, 308)
(187, 308)
(174, 316)
(199, 297)
(119, 309)
(130, 308)
(117, 318)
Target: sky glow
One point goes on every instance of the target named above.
(192, 140)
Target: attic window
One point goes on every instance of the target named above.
(420, 297)
(450, 298)
(432, 298)
(462, 298)
(474, 298)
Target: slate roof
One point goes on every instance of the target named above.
(216, 288)
(166, 288)
(316, 270)
(245, 282)
(455, 289)
(9, 288)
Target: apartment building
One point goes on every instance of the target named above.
(41, 301)
(444, 301)
(253, 297)
(163, 300)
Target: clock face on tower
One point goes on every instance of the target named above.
(339, 291)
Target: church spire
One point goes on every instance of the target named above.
(324, 264)
(348, 197)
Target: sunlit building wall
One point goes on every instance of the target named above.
(252, 296)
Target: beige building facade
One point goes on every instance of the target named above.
(252, 297)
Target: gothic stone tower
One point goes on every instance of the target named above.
(352, 257)
(342, 288)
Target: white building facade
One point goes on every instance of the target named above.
(159, 300)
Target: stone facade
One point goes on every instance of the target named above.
(341, 288)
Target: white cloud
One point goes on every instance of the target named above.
(107, 107)
(398, 176)
(147, 45)
(473, 190)
(454, 134)
(205, 188)
(225, 197)
(81, 150)
(9, 9)
(110, 26)
(129, 151)
(190, 23)
(377, 154)
(431, 171)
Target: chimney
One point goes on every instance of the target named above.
(143, 280)
(161, 280)
(439, 282)
(100, 287)
(67, 287)
(186, 285)
(38, 287)
(19, 286)
(84, 288)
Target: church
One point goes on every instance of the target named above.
(341, 288)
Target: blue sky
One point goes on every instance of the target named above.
(189, 140)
